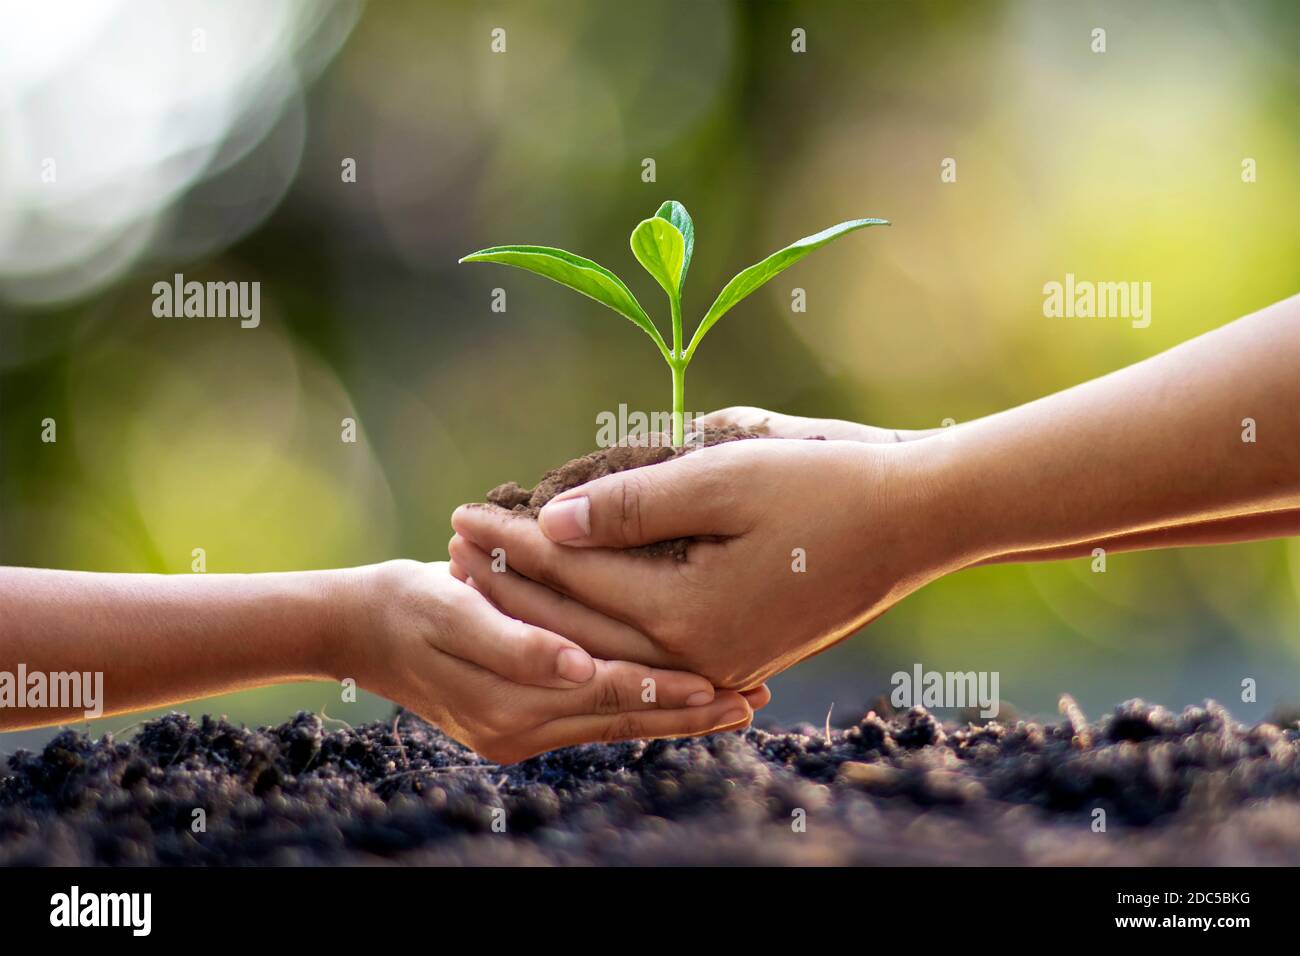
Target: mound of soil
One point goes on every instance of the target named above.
(1189, 788)
(653, 450)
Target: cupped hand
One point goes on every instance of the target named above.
(505, 688)
(779, 425)
(799, 543)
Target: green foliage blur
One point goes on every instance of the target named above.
(1123, 165)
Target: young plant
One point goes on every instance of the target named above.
(663, 244)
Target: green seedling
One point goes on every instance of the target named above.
(663, 244)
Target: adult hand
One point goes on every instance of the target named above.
(805, 541)
(505, 688)
(778, 425)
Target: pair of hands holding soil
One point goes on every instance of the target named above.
(742, 604)
(580, 635)
(793, 545)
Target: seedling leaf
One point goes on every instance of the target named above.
(676, 213)
(661, 249)
(750, 279)
(662, 244)
(581, 275)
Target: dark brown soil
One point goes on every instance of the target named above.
(1181, 789)
(528, 502)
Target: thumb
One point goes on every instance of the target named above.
(688, 496)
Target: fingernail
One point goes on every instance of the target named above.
(699, 698)
(566, 520)
(734, 717)
(575, 665)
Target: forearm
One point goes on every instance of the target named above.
(1231, 530)
(1157, 445)
(160, 639)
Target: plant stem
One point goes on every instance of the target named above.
(676, 302)
(678, 365)
(679, 403)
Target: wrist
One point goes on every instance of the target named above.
(381, 607)
(931, 492)
(345, 616)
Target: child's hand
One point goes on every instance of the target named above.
(507, 689)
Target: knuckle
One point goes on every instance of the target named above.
(608, 700)
(532, 642)
(623, 727)
(545, 571)
(629, 509)
(537, 652)
(454, 612)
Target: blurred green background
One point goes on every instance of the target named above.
(225, 164)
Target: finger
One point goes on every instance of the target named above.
(622, 687)
(728, 711)
(517, 596)
(624, 586)
(778, 425)
(743, 416)
(757, 698)
(693, 495)
(523, 653)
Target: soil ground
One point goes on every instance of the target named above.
(1189, 788)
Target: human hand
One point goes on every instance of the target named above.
(507, 689)
(778, 425)
(739, 609)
